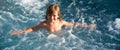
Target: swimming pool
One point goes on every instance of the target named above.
(21, 14)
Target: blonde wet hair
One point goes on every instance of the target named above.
(52, 9)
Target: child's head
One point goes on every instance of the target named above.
(52, 9)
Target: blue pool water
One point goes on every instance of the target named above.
(21, 14)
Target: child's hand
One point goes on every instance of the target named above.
(15, 33)
(91, 26)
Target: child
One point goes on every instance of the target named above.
(53, 22)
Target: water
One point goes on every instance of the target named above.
(21, 14)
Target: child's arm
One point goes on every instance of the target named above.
(29, 29)
(22, 31)
(85, 25)
(78, 24)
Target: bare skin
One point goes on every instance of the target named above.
(53, 24)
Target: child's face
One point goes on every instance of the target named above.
(53, 16)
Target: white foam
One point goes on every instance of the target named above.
(81, 2)
(27, 1)
(1, 18)
(10, 40)
(23, 39)
(110, 26)
(9, 14)
(34, 3)
(83, 9)
(73, 3)
(53, 37)
(23, 19)
(117, 23)
(33, 6)
(38, 48)
(10, 48)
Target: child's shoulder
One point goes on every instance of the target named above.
(62, 21)
(43, 22)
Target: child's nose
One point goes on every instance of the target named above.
(54, 15)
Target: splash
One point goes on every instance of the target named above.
(117, 23)
(21, 14)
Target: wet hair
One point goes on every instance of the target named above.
(52, 9)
